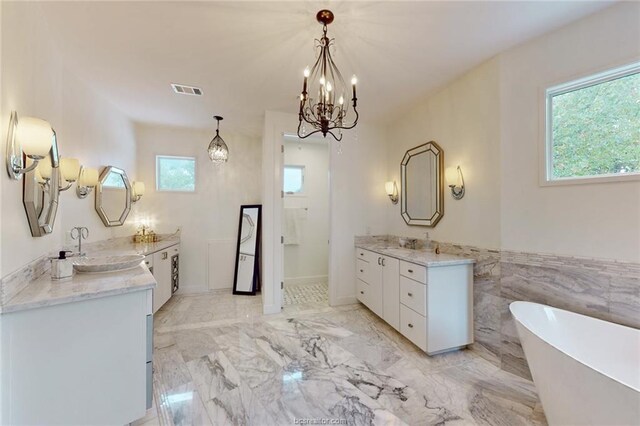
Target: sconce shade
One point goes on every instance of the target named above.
(138, 189)
(34, 136)
(452, 176)
(88, 177)
(390, 188)
(38, 175)
(44, 168)
(70, 169)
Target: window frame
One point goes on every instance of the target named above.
(177, 157)
(546, 154)
(302, 168)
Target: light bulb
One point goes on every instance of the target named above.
(354, 80)
(322, 80)
(307, 72)
(329, 86)
(341, 100)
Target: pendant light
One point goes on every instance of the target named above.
(218, 151)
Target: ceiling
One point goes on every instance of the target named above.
(248, 57)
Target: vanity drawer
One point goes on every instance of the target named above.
(413, 326)
(413, 271)
(367, 272)
(367, 256)
(362, 291)
(412, 294)
(370, 295)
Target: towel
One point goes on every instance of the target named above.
(292, 227)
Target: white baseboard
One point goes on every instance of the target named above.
(348, 300)
(270, 309)
(306, 280)
(192, 290)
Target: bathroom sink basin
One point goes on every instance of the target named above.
(107, 263)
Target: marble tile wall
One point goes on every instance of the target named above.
(603, 289)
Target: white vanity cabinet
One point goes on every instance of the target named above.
(87, 362)
(377, 285)
(165, 264)
(430, 305)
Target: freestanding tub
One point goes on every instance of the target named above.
(587, 371)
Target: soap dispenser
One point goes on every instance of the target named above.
(61, 267)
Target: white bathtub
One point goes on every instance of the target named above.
(587, 371)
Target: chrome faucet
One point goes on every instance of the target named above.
(80, 233)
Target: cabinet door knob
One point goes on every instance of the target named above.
(361, 270)
(361, 254)
(361, 292)
(411, 271)
(383, 261)
(410, 325)
(164, 255)
(410, 294)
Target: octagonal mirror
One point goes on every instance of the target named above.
(113, 196)
(422, 192)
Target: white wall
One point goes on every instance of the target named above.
(208, 217)
(488, 121)
(463, 118)
(357, 202)
(308, 261)
(35, 82)
(594, 220)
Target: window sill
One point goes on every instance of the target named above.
(632, 177)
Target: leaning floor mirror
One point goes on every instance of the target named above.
(247, 274)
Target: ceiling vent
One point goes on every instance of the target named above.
(186, 90)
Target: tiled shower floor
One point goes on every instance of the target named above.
(219, 361)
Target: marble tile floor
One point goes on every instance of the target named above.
(219, 361)
(306, 294)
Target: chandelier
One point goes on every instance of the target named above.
(323, 102)
(218, 151)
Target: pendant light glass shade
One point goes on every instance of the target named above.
(218, 151)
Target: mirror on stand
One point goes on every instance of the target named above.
(247, 274)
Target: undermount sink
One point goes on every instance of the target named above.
(107, 263)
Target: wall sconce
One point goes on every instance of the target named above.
(392, 191)
(137, 191)
(456, 182)
(30, 136)
(87, 180)
(69, 171)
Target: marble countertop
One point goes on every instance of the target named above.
(420, 257)
(47, 292)
(82, 286)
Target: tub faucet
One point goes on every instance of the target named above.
(79, 233)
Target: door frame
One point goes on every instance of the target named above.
(277, 126)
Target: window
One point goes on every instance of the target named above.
(293, 181)
(593, 127)
(175, 173)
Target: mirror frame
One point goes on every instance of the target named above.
(32, 188)
(433, 147)
(99, 208)
(257, 258)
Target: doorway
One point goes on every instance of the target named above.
(305, 223)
